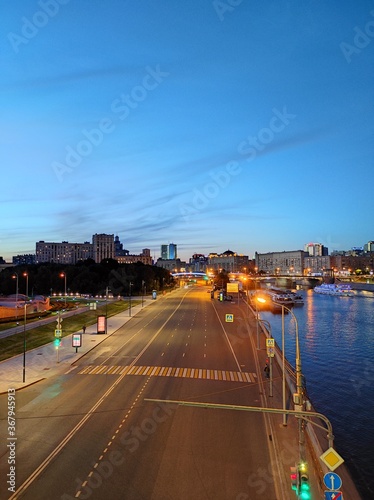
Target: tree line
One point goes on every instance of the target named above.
(85, 277)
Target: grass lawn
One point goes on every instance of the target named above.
(13, 345)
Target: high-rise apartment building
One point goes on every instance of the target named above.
(369, 247)
(316, 249)
(103, 247)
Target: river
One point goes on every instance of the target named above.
(336, 337)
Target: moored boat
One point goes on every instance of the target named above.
(295, 297)
(338, 290)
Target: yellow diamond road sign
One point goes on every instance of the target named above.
(332, 459)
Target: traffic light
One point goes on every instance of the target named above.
(304, 486)
(293, 475)
(57, 343)
(221, 296)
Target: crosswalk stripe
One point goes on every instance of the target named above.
(169, 371)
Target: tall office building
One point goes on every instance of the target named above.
(169, 252)
(172, 251)
(164, 252)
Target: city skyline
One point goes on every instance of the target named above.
(215, 126)
(164, 249)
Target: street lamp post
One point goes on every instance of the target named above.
(257, 318)
(106, 308)
(24, 342)
(27, 284)
(15, 276)
(143, 282)
(298, 397)
(130, 284)
(63, 275)
(270, 358)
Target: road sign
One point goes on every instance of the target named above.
(333, 495)
(232, 287)
(270, 342)
(331, 458)
(58, 333)
(229, 318)
(332, 481)
(270, 351)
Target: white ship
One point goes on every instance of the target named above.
(339, 290)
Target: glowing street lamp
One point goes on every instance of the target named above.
(27, 284)
(15, 276)
(63, 275)
(298, 396)
(130, 285)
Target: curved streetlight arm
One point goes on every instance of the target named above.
(301, 414)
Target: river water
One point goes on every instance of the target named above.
(336, 337)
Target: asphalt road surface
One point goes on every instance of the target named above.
(92, 433)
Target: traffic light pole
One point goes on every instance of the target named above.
(302, 486)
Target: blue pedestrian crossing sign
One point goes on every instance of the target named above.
(229, 318)
(333, 495)
(332, 482)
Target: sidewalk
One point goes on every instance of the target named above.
(46, 361)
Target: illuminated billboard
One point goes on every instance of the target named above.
(101, 324)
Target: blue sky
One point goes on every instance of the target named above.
(211, 124)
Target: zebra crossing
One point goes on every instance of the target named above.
(168, 371)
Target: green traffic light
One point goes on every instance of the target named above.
(305, 495)
(305, 492)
